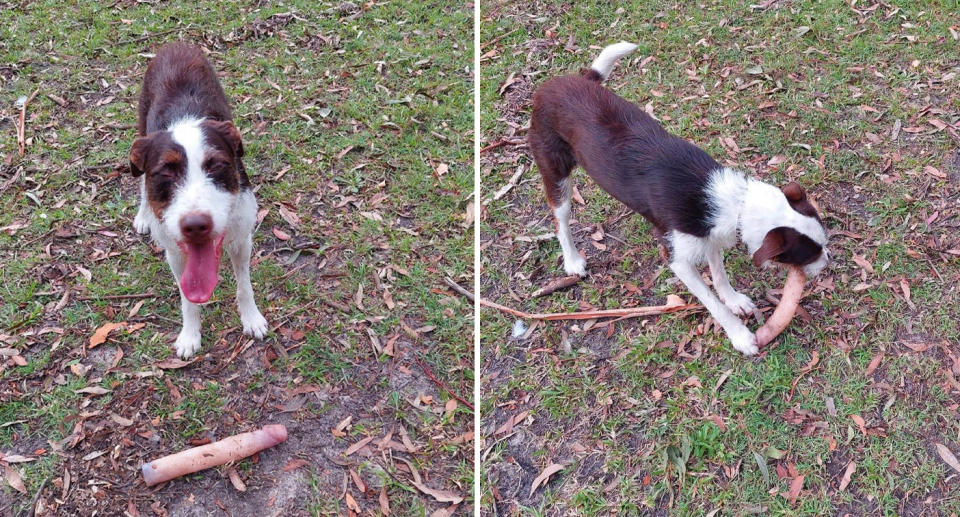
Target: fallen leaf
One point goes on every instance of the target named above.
(352, 503)
(357, 446)
(948, 456)
(512, 421)
(861, 423)
(100, 335)
(863, 263)
(280, 234)
(13, 479)
(236, 481)
(845, 481)
(93, 390)
(874, 363)
(551, 469)
(919, 347)
(384, 502)
(295, 464)
(795, 487)
(442, 169)
(446, 512)
(172, 364)
(443, 496)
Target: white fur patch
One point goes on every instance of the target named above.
(608, 57)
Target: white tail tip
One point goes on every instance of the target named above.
(603, 64)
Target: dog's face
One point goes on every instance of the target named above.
(786, 228)
(194, 174)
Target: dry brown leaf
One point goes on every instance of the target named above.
(551, 469)
(93, 390)
(361, 486)
(100, 335)
(512, 421)
(861, 423)
(874, 363)
(384, 502)
(295, 464)
(357, 446)
(236, 481)
(442, 169)
(280, 234)
(795, 487)
(443, 496)
(919, 347)
(290, 217)
(845, 481)
(172, 364)
(948, 456)
(352, 503)
(451, 406)
(13, 479)
(863, 263)
(338, 431)
(446, 512)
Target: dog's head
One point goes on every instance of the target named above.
(783, 226)
(194, 174)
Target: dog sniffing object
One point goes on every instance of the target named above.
(233, 448)
(698, 206)
(195, 198)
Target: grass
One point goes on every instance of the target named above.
(643, 429)
(348, 114)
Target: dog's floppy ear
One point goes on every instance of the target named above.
(138, 155)
(794, 192)
(230, 133)
(774, 243)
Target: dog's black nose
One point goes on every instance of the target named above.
(196, 227)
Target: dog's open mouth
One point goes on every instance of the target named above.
(200, 274)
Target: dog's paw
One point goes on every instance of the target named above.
(254, 324)
(188, 344)
(739, 304)
(141, 224)
(575, 265)
(744, 341)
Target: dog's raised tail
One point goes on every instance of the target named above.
(608, 57)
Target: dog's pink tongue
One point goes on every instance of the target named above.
(200, 273)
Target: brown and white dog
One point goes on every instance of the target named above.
(697, 205)
(195, 198)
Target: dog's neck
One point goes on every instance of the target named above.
(729, 190)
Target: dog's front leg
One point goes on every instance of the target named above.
(188, 342)
(254, 324)
(738, 303)
(743, 340)
(141, 223)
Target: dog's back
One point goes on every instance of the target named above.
(180, 83)
(625, 150)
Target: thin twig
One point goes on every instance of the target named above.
(117, 297)
(153, 35)
(456, 287)
(439, 383)
(498, 38)
(22, 126)
(502, 142)
(630, 312)
(33, 505)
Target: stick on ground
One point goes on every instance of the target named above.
(556, 285)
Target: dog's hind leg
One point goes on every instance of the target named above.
(555, 161)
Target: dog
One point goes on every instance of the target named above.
(696, 205)
(195, 197)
